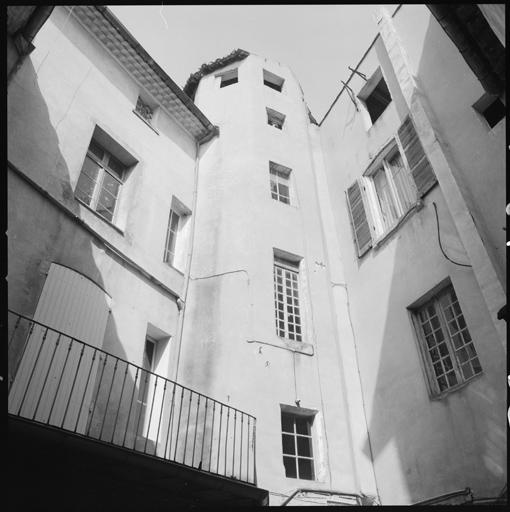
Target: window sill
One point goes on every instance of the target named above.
(381, 238)
(174, 268)
(146, 122)
(458, 387)
(111, 224)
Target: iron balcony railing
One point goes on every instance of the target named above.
(57, 380)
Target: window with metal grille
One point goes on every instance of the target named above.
(279, 177)
(100, 181)
(171, 237)
(286, 298)
(143, 110)
(449, 350)
(297, 446)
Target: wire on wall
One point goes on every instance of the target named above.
(439, 240)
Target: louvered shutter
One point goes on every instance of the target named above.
(420, 167)
(359, 219)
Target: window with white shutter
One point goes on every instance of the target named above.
(392, 185)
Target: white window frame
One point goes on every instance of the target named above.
(176, 259)
(446, 346)
(288, 323)
(379, 224)
(279, 177)
(105, 171)
(307, 439)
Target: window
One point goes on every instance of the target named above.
(491, 108)
(392, 185)
(395, 193)
(171, 237)
(229, 78)
(273, 81)
(274, 118)
(297, 446)
(143, 110)
(100, 181)
(279, 177)
(445, 341)
(177, 232)
(286, 299)
(375, 96)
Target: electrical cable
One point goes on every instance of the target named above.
(439, 240)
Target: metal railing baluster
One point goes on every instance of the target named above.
(60, 379)
(120, 402)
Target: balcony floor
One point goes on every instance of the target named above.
(50, 467)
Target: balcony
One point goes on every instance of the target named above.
(66, 393)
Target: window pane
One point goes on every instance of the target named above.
(302, 425)
(85, 188)
(90, 168)
(287, 423)
(402, 182)
(304, 446)
(106, 201)
(288, 444)
(467, 372)
(305, 469)
(290, 467)
(116, 167)
(388, 210)
(452, 379)
(96, 150)
(111, 184)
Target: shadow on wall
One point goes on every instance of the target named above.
(421, 447)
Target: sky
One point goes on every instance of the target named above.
(318, 42)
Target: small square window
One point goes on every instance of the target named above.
(279, 177)
(445, 341)
(273, 81)
(144, 110)
(297, 445)
(491, 108)
(229, 78)
(375, 96)
(274, 118)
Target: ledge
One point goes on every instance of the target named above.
(293, 346)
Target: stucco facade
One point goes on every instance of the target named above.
(264, 197)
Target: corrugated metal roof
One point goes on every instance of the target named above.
(114, 37)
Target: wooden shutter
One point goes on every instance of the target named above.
(359, 219)
(420, 167)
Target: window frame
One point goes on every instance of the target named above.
(229, 77)
(104, 170)
(171, 236)
(433, 379)
(380, 226)
(282, 314)
(367, 92)
(279, 177)
(308, 416)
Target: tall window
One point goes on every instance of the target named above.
(297, 446)
(100, 181)
(286, 298)
(446, 342)
(171, 237)
(279, 177)
(394, 190)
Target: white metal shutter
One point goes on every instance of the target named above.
(421, 170)
(359, 219)
(56, 376)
